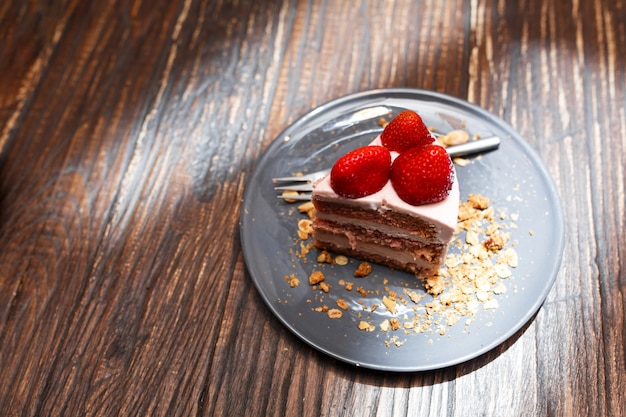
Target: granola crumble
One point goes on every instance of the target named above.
(316, 277)
(363, 270)
(469, 281)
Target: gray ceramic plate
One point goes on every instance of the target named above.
(513, 177)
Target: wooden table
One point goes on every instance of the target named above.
(128, 130)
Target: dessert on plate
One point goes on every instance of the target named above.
(393, 202)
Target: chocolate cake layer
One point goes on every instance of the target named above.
(394, 259)
(357, 235)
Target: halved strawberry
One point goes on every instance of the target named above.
(361, 172)
(406, 131)
(423, 175)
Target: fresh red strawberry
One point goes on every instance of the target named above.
(422, 175)
(361, 172)
(406, 131)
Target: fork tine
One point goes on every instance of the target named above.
(303, 178)
(299, 197)
(299, 187)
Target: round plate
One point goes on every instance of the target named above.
(513, 177)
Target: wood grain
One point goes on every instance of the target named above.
(128, 131)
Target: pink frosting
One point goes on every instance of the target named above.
(443, 214)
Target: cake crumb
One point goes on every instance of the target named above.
(471, 237)
(495, 243)
(365, 326)
(305, 230)
(342, 304)
(363, 270)
(434, 285)
(395, 323)
(290, 193)
(304, 250)
(394, 340)
(341, 260)
(307, 208)
(478, 201)
(292, 280)
(462, 162)
(503, 271)
(385, 326)
(316, 277)
(499, 289)
(325, 257)
(334, 313)
(455, 137)
(414, 296)
(508, 256)
(390, 303)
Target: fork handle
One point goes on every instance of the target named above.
(475, 146)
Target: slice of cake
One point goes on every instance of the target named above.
(393, 202)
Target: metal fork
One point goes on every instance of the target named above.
(304, 183)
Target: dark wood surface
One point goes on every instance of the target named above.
(128, 130)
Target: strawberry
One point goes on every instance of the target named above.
(422, 175)
(406, 131)
(361, 172)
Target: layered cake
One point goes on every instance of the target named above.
(394, 202)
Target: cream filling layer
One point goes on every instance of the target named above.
(420, 258)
